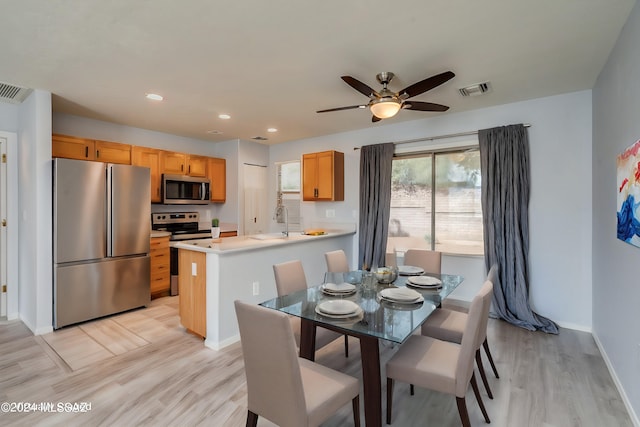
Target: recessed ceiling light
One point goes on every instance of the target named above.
(215, 132)
(154, 97)
(272, 130)
(224, 116)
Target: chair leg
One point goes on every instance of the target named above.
(389, 398)
(482, 374)
(485, 344)
(252, 419)
(462, 410)
(346, 346)
(474, 385)
(355, 403)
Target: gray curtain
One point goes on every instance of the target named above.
(504, 164)
(375, 203)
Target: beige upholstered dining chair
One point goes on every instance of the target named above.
(336, 261)
(442, 366)
(449, 325)
(430, 261)
(281, 387)
(290, 278)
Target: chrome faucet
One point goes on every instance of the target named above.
(280, 209)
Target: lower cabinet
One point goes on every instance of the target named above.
(192, 287)
(160, 266)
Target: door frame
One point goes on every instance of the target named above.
(9, 210)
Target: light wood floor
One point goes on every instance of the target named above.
(141, 368)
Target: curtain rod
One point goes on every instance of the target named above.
(433, 138)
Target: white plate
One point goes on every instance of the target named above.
(340, 288)
(409, 270)
(338, 307)
(356, 313)
(338, 294)
(424, 281)
(400, 295)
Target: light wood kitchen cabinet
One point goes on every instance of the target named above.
(192, 287)
(173, 163)
(323, 176)
(228, 233)
(71, 147)
(160, 266)
(150, 158)
(197, 166)
(217, 174)
(113, 152)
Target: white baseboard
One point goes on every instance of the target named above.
(575, 327)
(219, 345)
(634, 417)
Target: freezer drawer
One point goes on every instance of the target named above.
(91, 290)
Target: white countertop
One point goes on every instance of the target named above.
(260, 241)
(159, 234)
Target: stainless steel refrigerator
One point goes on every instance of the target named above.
(101, 230)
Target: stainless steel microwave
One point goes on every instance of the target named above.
(185, 190)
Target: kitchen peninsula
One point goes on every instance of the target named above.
(213, 275)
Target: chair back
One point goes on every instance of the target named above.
(274, 383)
(468, 346)
(289, 277)
(336, 261)
(430, 261)
(491, 277)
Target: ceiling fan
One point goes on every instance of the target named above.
(385, 104)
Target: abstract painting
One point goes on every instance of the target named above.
(628, 170)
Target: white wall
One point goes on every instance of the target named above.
(35, 228)
(8, 117)
(560, 206)
(616, 290)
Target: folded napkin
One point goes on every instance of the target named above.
(342, 287)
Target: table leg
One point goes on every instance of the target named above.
(370, 355)
(307, 339)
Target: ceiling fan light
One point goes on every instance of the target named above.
(385, 109)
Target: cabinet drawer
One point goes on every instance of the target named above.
(158, 243)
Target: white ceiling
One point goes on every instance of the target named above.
(274, 63)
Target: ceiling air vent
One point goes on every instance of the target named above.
(259, 138)
(13, 94)
(476, 89)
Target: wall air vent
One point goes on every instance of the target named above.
(13, 94)
(476, 89)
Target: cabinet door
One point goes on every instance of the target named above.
(113, 152)
(197, 166)
(324, 178)
(309, 176)
(172, 163)
(70, 147)
(217, 173)
(149, 158)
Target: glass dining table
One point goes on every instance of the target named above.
(376, 319)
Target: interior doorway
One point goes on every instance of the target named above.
(255, 199)
(3, 228)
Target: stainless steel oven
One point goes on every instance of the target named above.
(182, 226)
(185, 190)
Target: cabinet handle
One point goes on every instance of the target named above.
(97, 154)
(181, 168)
(189, 171)
(86, 152)
(315, 192)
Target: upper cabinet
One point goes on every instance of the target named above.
(217, 174)
(323, 176)
(71, 147)
(173, 163)
(150, 158)
(197, 166)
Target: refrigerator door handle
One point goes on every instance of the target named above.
(109, 210)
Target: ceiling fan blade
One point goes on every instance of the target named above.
(360, 87)
(424, 106)
(375, 119)
(341, 108)
(425, 85)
